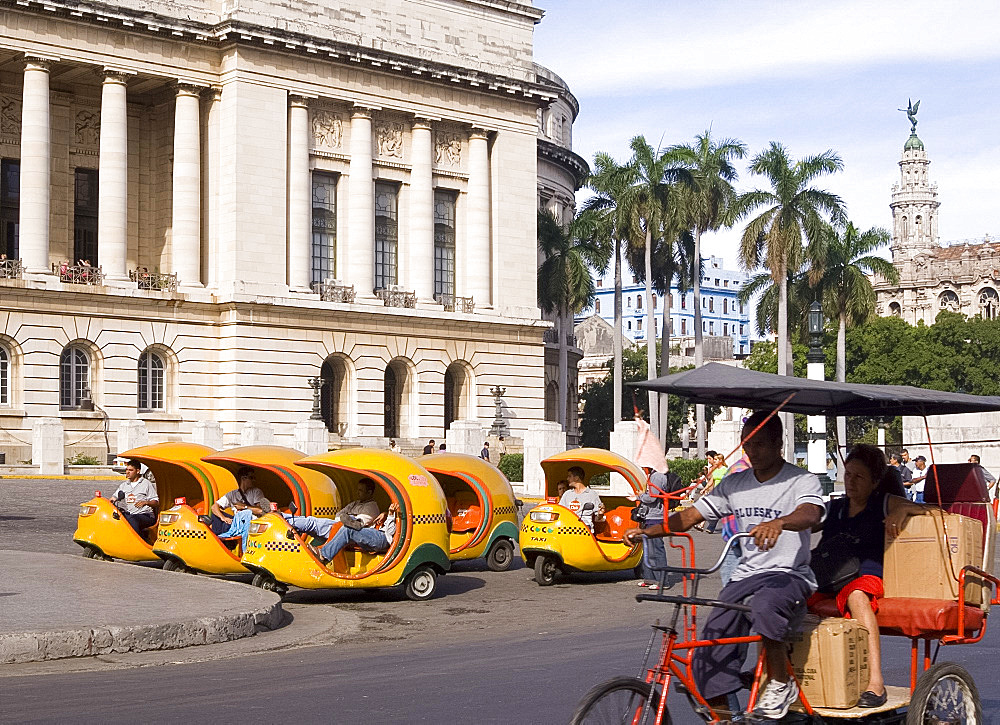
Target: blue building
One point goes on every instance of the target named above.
(723, 316)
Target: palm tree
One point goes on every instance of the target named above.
(800, 296)
(565, 283)
(709, 200)
(610, 182)
(794, 212)
(841, 265)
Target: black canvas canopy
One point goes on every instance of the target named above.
(718, 384)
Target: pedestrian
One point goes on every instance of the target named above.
(394, 446)
(485, 453)
(501, 447)
(987, 476)
(904, 458)
(919, 478)
(442, 448)
(896, 461)
(429, 448)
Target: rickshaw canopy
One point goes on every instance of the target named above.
(459, 464)
(719, 384)
(166, 459)
(594, 461)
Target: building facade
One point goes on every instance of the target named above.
(204, 206)
(722, 314)
(958, 276)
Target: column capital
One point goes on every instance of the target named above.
(479, 132)
(426, 122)
(214, 93)
(360, 111)
(38, 62)
(188, 89)
(116, 75)
(300, 100)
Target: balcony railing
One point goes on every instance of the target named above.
(552, 337)
(79, 274)
(154, 281)
(452, 303)
(395, 297)
(11, 268)
(333, 290)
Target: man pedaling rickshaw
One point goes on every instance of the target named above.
(778, 504)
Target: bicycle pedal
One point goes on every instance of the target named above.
(700, 710)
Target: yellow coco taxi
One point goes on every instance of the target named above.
(416, 555)
(180, 474)
(554, 539)
(185, 541)
(482, 507)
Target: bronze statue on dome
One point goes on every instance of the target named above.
(911, 113)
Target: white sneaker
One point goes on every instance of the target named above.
(776, 699)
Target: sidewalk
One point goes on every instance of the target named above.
(56, 605)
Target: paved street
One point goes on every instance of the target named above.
(490, 648)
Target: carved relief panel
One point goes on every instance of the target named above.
(87, 130)
(447, 149)
(327, 130)
(389, 139)
(10, 119)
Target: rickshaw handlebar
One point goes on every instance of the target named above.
(688, 570)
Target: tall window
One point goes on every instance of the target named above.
(85, 217)
(638, 302)
(684, 326)
(444, 243)
(989, 303)
(711, 304)
(324, 225)
(597, 306)
(725, 306)
(74, 377)
(684, 302)
(386, 233)
(151, 382)
(4, 377)
(10, 187)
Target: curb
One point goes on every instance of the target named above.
(19, 647)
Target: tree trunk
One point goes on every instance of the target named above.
(841, 377)
(787, 419)
(654, 412)
(664, 431)
(563, 372)
(699, 342)
(616, 413)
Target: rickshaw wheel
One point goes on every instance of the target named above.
(420, 585)
(501, 555)
(945, 693)
(92, 552)
(269, 584)
(546, 568)
(173, 565)
(609, 701)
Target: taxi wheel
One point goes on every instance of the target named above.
(172, 565)
(92, 552)
(501, 556)
(420, 585)
(546, 568)
(269, 584)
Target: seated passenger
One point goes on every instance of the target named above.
(245, 496)
(861, 519)
(579, 495)
(136, 498)
(355, 515)
(374, 538)
(561, 488)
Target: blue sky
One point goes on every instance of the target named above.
(812, 75)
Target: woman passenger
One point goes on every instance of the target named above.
(869, 511)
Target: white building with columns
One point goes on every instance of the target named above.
(203, 206)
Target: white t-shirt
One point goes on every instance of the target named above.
(253, 497)
(575, 501)
(753, 502)
(142, 489)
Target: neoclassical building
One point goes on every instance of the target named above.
(203, 206)
(961, 277)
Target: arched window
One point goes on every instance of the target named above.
(989, 303)
(335, 394)
(904, 228)
(400, 419)
(74, 377)
(638, 302)
(552, 401)
(949, 301)
(151, 382)
(5, 373)
(895, 310)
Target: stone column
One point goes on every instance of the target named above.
(299, 196)
(186, 217)
(48, 446)
(131, 434)
(361, 205)
(207, 433)
(466, 436)
(477, 242)
(624, 441)
(36, 168)
(112, 212)
(311, 437)
(421, 242)
(212, 159)
(541, 440)
(257, 433)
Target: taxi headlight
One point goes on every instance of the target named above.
(87, 509)
(545, 517)
(259, 527)
(168, 518)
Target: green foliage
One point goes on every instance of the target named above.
(82, 459)
(687, 468)
(512, 466)
(600, 479)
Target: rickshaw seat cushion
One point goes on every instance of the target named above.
(466, 519)
(615, 523)
(909, 617)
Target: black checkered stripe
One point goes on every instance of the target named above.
(187, 534)
(429, 519)
(501, 510)
(325, 510)
(578, 530)
(292, 546)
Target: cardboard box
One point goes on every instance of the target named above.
(925, 559)
(830, 661)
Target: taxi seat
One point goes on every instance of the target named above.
(616, 522)
(466, 512)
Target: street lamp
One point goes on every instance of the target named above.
(816, 359)
(316, 384)
(499, 426)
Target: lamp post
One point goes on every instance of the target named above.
(316, 384)
(816, 452)
(499, 427)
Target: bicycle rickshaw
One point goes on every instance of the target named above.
(180, 474)
(938, 692)
(279, 556)
(553, 539)
(481, 505)
(184, 539)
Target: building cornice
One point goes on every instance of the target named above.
(236, 32)
(572, 162)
